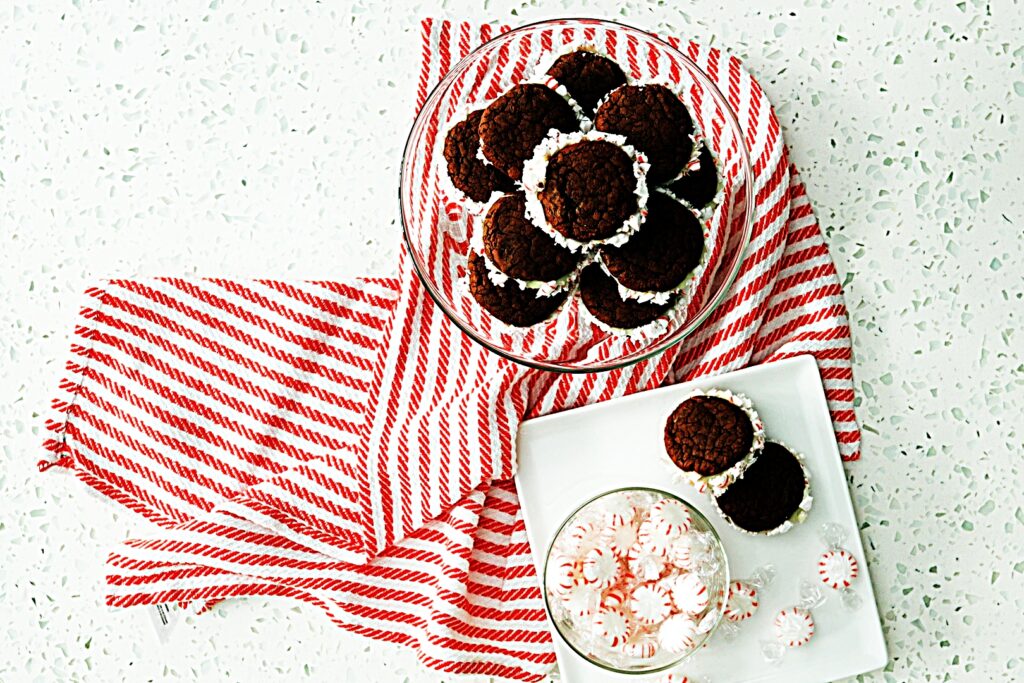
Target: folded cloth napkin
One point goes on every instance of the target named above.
(343, 444)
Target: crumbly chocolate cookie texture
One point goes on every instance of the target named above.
(655, 121)
(515, 123)
(468, 173)
(708, 435)
(510, 304)
(589, 190)
(769, 493)
(519, 248)
(665, 250)
(587, 76)
(699, 186)
(600, 294)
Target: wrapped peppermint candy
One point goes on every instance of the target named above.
(744, 599)
(837, 567)
(600, 568)
(793, 626)
(650, 604)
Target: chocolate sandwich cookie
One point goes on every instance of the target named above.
(587, 76)
(655, 121)
(600, 294)
(666, 249)
(519, 248)
(707, 435)
(515, 123)
(589, 190)
(699, 186)
(712, 437)
(468, 173)
(771, 496)
(510, 303)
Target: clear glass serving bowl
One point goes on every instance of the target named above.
(713, 568)
(438, 229)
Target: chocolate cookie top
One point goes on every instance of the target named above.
(707, 435)
(467, 172)
(510, 304)
(513, 124)
(600, 294)
(699, 186)
(660, 256)
(589, 190)
(519, 248)
(769, 492)
(654, 121)
(587, 76)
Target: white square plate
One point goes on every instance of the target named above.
(568, 458)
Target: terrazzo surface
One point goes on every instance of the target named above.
(263, 139)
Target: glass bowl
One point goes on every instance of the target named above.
(706, 557)
(438, 229)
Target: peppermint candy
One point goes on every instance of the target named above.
(644, 563)
(619, 538)
(580, 601)
(613, 597)
(690, 594)
(671, 517)
(794, 626)
(600, 568)
(564, 572)
(677, 633)
(620, 511)
(580, 535)
(644, 648)
(742, 603)
(837, 568)
(681, 553)
(650, 604)
(612, 627)
(654, 538)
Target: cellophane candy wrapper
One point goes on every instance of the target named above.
(793, 626)
(837, 567)
(744, 599)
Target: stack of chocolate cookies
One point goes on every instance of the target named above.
(587, 183)
(715, 441)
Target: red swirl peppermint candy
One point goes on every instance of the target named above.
(619, 538)
(677, 633)
(641, 648)
(650, 604)
(619, 511)
(614, 597)
(690, 594)
(742, 603)
(654, 539)
(680, 553)
(671, 517)
(600, 568)
(564, 572)
(794, 626)
(580, 535)
(837, 569)
(580, 601)
(612, 626)
(644, 563)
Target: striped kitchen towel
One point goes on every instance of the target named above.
(341, 443)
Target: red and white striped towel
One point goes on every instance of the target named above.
(341, 443)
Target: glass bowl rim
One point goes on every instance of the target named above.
(680, 334)
(725, 572)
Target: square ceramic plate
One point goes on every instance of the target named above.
(568, 458)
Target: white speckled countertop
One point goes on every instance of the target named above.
(263, 138)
